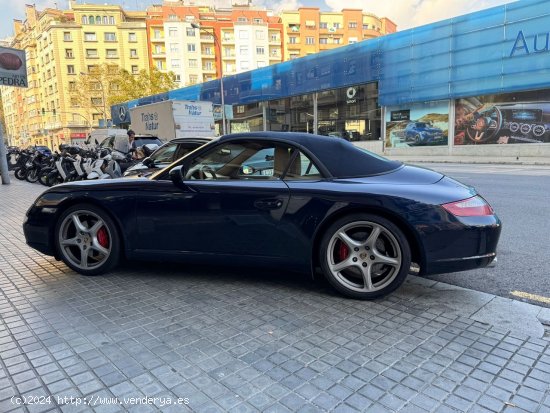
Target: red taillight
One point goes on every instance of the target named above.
(472, 207)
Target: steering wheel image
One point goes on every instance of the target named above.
(485, 126)
(206, 172)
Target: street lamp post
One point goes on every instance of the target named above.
(218, 44)
(102, 94)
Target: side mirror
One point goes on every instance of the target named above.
(177, 176)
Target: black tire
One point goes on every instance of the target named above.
(32, 175)
(20, 173)
(43, 177)
(418, 139)
(373, 257)
(70, 254)
(53, 179)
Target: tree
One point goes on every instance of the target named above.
(145, 83)
(108, 85)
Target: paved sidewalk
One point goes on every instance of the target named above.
(243, 341)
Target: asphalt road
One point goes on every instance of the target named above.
(520, 196)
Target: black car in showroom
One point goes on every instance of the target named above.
(291, 200)
(165, 155)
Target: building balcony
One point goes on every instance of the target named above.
(77, 124)
(207, 39)
(208, 55)
(159, 39)
(277, 41)
(228, 40)
(275, 57)
(209, 71)
(159, 54)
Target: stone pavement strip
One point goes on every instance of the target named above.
(178, 338)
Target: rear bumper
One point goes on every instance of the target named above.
(465, 245)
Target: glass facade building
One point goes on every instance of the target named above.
(481, 78)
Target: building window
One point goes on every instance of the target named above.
(133, 53)
(96, 101)
(323, 40)
(310, 24)
(242, 19)
(172, 32)
(97, 19)
(111, 20)
(70, 69)
(243, 50)
(244, 65)
(293, 40)
(135, 70)
(111, 54)
(174, 48)
(158, 49)
(105, 20)
(160, 64)
(172, 17)
(336, 40)
(67, 37)
(352, 40)
(227, 51)
(132, 37)
(258, 21)
(91, 20)
(243, 34)
(260, 50)
(175, 63)
(69, 53)
(260, 35)
(208, 51)
(190, 32)
(310, 40)
(274, 37)
(323, 25)
(193, 79)
(336, 25)
(261, 64)
(110, 37)
(352, 25)
(90, 37)
(91, 53)
(156, 34)
(177, 78)
(72, 86)
(84, 19)
(191, 47)
(208, 66)
(74, 102)
(365, 27)
(193, 63)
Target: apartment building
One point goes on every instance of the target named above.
(309, 30)
(245, 37)
(60, 45)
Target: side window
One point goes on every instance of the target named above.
(242, 161)
(108, 142)
(165, 154)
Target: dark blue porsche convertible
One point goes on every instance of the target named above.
(297, 201)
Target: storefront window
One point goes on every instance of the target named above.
(417, 124)
(247, 118)
(522, 117)
(350, 113)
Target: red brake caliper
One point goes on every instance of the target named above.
(343, 251)
(103, 237)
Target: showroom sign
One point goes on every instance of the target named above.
(13, 67)
(525, 46)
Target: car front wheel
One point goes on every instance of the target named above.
(87, 240)
(365, 256)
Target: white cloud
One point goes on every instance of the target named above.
(278, 6)
(413, 13)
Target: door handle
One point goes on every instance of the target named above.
(268, 204)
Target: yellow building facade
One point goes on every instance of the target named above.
(60, 47)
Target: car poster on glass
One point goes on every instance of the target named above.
(503, 119)
(424, 124)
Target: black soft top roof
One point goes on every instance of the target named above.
(341, 158)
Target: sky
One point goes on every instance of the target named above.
(405, 13)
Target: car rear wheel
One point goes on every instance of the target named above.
(365, 256)
(87, 240)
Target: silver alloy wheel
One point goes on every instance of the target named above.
(364, 256)
(79, 243)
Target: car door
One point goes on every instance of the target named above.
(227, 206)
